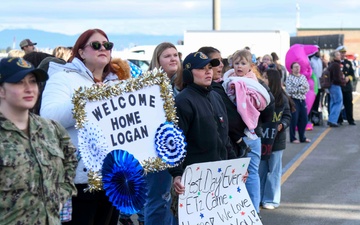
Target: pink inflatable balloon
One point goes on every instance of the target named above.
(299, 53)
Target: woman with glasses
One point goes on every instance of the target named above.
(297, 86)
(88, 65)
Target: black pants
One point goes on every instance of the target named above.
(299, 119)
(317, 101)
(348, 105)
(92, 208)
(355, 83)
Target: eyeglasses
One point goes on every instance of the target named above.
(96, 45)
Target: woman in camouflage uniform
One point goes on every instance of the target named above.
(37, 160)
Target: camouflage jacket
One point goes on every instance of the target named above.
(36, 171)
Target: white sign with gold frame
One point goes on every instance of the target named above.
(128, 115)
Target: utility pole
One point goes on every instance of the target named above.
(297, 16)
(216, 14)
(14, 43)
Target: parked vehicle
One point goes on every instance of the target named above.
(139, 59)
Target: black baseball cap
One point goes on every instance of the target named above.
(13, 70)
(198, 60)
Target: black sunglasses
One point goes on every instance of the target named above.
(97, 45)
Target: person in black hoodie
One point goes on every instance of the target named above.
(202, 117)
(270, 169)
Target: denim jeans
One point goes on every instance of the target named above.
(253, 182)
(299, 119)
(157, 207)
(270, 172)
(336, 103)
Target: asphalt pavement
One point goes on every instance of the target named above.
(320, 182)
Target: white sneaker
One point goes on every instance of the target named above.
(268, 206)
(250, 134)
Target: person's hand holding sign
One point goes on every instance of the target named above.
(179, 188)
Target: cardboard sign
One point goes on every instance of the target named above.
(215, 194)
(129, 121)
(125, 115)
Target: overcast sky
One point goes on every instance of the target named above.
(175, 16)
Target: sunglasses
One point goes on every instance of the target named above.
(97, 45)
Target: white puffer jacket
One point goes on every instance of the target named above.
(56, 100)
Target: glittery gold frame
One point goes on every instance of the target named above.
(104, 92)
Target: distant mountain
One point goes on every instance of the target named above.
(51, 40)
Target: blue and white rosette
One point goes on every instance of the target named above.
(135, 71)
(123, 181)
(170, 143)
(92, 146)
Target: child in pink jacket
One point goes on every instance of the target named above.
(243, 88)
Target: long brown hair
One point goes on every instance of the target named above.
(80, 44)
(274, 78)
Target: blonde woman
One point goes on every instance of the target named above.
(62, 52)
(157, 209)
(16, 53)
(268, 59)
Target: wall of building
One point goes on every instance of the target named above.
(351, 36)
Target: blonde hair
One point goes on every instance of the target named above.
(244, 54)
(270, 57)
(240, 54)
(155, 62)
(62, 53)
(332, 55)
(16, 53)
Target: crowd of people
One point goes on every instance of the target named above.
(43, 176)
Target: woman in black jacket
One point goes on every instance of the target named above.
(202, 117)
(270, 170)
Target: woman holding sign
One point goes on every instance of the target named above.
(202, 117)
(89, 64)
